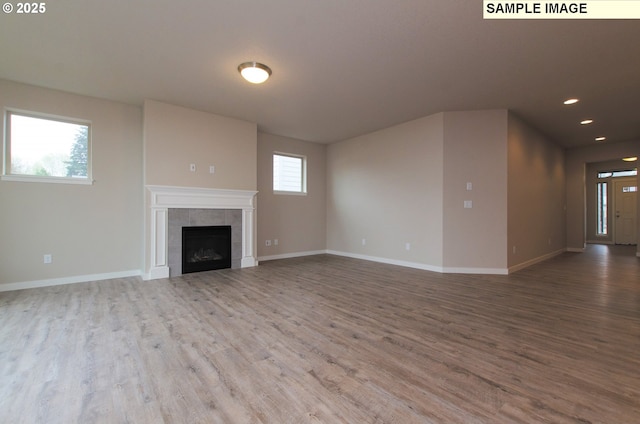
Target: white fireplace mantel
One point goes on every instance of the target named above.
(163, 198)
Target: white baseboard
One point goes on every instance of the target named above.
(424, 267)
(575, 249)
(534, 261)
(600, 242)
(407, 264)
(291, 255)
(156, 273)
(467, 270)
(68, 280)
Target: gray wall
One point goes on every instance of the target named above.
(89, 229)
(408, 184)
(297, 221)
(176, 137)
(387, 187)
(536, 194)
(475, 151)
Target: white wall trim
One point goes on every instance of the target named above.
(200, 198)
(68, 280)
(466, 270)
(424, 267)
(156, 273)
(600, 242)
(415, 265)
(407, 264)
(292, 255)
(534, 261)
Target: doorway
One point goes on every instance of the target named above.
(612, 203)
(625, 208)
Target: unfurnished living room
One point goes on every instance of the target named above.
(318, 212)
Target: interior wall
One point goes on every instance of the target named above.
(176, 137)
(536, 195)
(298, 222)
(575, 168)
(475, 151)
(88, 229)
(386, 188)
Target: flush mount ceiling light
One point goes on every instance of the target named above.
(571, 101)
(586, 122)
(254, 72)
(630, 159)
(601, 138)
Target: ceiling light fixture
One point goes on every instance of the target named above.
(571, 101)
(254, 72)
(630, 159)
(586, 122)
(601, 138)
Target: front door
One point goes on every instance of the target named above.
(625, 207)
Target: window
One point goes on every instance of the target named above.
(617, 174)
(46, 149)
(289, 173)
(601, 212)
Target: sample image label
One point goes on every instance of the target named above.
(586, 9)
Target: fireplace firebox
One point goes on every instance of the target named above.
(206, 248)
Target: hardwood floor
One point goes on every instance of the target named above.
(326, 339)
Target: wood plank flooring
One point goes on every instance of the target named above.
(326, 339)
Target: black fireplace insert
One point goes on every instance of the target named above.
(206, 248)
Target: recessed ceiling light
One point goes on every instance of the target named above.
(601, 138)
(630, 159)
(586, 121)
(254, 72)
(571, 101)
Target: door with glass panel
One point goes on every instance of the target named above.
(626, 191)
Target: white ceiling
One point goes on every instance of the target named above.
(340, 68)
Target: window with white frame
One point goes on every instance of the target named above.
(46, 149)
(601, 209)
(289, 173)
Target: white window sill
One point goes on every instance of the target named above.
(37, 179)
(290, 193)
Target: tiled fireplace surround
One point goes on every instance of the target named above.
(179, 218)
(171, 208)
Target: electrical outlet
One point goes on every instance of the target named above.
(407, 246)
(267, 243)
(364, 242)
(212, 169)
(275, 242)
(48, 258)
(468, 204)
